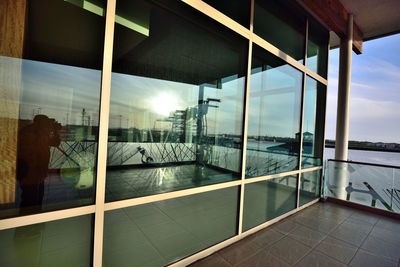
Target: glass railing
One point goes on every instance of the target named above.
(369, 184)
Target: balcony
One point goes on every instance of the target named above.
(325, 234)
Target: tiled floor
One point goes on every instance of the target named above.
(324, 234)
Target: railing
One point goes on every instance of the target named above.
(374, 185)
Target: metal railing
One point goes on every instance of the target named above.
(369, 184)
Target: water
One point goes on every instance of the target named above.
(379, 157)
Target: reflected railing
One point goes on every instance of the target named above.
(369, 184)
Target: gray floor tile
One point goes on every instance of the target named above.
(385, 234)
(319, 224)
(365, 259)
(285, 226)
(263, 258)
(390, 224)
(316, 258)
(366, 217)
(337, 249)
(352, 233)
(267, 237)
(378, 246)
(211, 261)
(306, 236)
(239, 251)
(289, 250)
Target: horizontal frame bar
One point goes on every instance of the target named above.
(45, 217)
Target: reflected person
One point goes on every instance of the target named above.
(34, 142)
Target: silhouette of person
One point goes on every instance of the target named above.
(34, 142)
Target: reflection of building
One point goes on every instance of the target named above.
(214, 100)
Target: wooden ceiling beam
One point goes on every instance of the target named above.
(335, 16)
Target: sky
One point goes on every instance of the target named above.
(375, 92)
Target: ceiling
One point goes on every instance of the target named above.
(375, 18)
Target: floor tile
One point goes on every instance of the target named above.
(306, 236)
(237, 252)
(263, 258)
(365, 217)
(378, 246)
(267, 237)
(211, 261)
(316, 258)
(389, 223)
(284, 226)
(289, 250)
(337, 249)
(351, 233)
(365, 259)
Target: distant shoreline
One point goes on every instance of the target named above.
(367, 148)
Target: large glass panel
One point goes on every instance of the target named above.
(317, 48)
(50, 61)
(374, 186)
(310, 184)
(282, 24)
(176, 100)
(59, 243)
(160, 233)
(274, 116)
(269, 199)
(238, 10)
(314, 123)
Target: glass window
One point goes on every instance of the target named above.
(238, 10)
(309, 186)
(274, 116)
(314, 122)
(61, 243)
(317, 48)
(163, 232)
(269, 199)
(50, 74)
(282, 24)
(176, 101)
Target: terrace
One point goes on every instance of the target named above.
(324, 234)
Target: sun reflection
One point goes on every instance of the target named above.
(164, 104)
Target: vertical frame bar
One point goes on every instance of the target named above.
(303, 96)
(103, 135)
(245, 122)
(321, 181)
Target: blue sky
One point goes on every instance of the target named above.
(375, 92)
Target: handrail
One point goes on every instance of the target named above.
(365, 163)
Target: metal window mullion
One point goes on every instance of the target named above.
(326, 104)
(245, 122)
(103, 135)
(45, 217)
(303, 96)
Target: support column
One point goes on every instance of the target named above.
(343, 105)
(341, 178)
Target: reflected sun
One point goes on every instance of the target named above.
(164, 104)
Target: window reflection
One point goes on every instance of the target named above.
(274, 116)
(49, 101)
(313, 129)
(176, 101)
(269, 199)
(309, 186)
